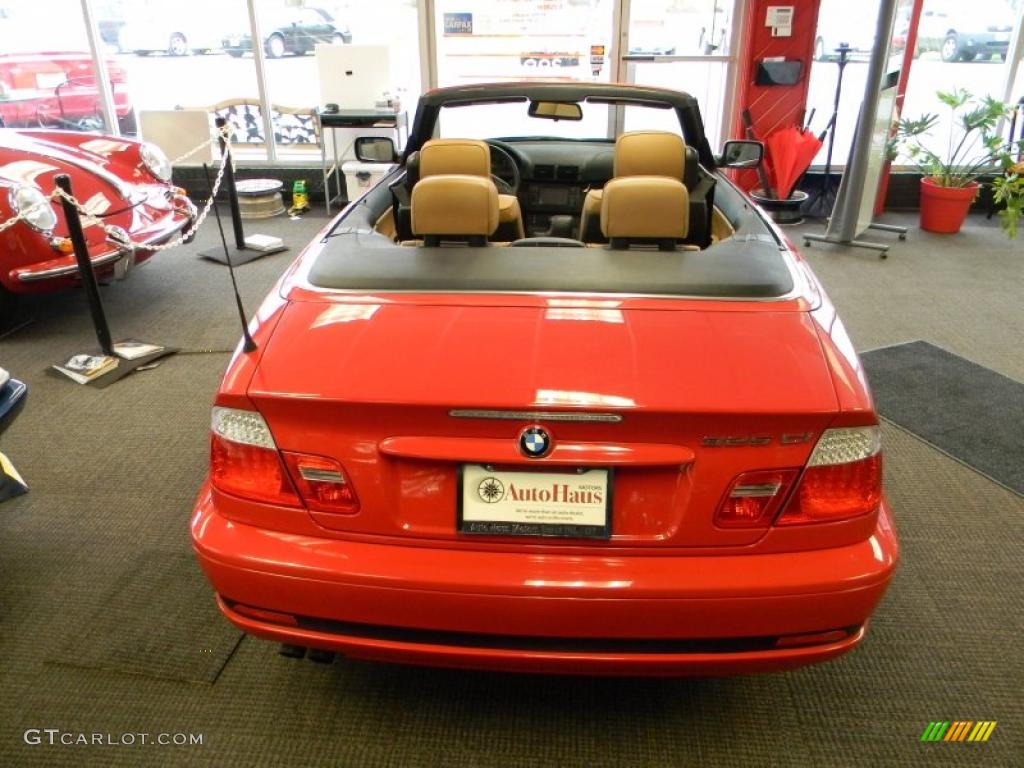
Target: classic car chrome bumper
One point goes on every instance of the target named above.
(115, 256)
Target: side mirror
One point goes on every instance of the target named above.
(741, 154)
(375, 149)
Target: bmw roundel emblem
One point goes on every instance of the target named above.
(534, 442)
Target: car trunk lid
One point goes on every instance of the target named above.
(675, 402)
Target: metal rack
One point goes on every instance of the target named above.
(349, 119)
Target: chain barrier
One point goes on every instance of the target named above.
(4, 226)
(117, 234)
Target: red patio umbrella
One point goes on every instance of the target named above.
(790, 152)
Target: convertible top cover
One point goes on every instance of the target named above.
(747, 267)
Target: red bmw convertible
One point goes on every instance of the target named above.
(550, 403)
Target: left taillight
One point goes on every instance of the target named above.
(244, 460)
(322, 483)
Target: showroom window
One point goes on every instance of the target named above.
(173, 57)
(41, 88)
(197, 54)
(305, 48)
(959, 45)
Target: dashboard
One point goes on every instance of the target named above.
(554, 176)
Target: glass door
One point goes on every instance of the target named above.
(686, 45)
(487, 41)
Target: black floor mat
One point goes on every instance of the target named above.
(966, 410)
(158, 620)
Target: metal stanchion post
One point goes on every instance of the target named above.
(85, 271)
(229, 183)
(257, 245)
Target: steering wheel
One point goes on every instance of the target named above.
(506, 186)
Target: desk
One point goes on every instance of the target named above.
(349, 119)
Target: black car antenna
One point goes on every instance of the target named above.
(249, 344)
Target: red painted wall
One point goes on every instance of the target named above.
(773, 106)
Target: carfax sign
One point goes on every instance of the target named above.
(458, 23)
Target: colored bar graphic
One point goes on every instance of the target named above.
(935, 730)
(958, 730)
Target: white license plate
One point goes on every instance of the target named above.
(524, 503)
(46, 81)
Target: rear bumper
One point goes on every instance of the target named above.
(606, 614)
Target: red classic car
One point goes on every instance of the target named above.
(545, 403)
(122, 182)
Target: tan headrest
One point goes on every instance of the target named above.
(641, 207)
(650, 153)
(454, 205)
(468, 157)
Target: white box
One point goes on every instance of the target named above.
(176, 131)
(360, 176)
(353, 76)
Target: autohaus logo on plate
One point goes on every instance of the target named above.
(516, 502)
(491, 490)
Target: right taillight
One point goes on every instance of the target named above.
(843, 478)
(244, 460)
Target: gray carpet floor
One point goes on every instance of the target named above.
(113, 474)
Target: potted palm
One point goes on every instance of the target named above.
(950, 182)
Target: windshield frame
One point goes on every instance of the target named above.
(685, 106)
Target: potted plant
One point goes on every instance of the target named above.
(950, 183)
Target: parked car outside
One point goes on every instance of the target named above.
(547, 403)
(965, 31)
(171, 32)
(289, 30)
(123, 182)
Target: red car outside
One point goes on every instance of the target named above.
(58, 89)
(122, 182)
(457, 447)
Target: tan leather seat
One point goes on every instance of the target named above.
(645, 209)
(637, 153)
(454, 207)
(471, 157)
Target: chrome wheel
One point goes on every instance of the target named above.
(950, 49)
(178, 45)
(275, 47)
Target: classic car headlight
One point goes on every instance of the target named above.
(156, 161)
(34, 207)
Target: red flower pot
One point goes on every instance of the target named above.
(943, 209)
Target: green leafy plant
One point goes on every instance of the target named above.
(975, 150)
(1009, 190)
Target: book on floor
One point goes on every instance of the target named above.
(86, 368)
(132, 349)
